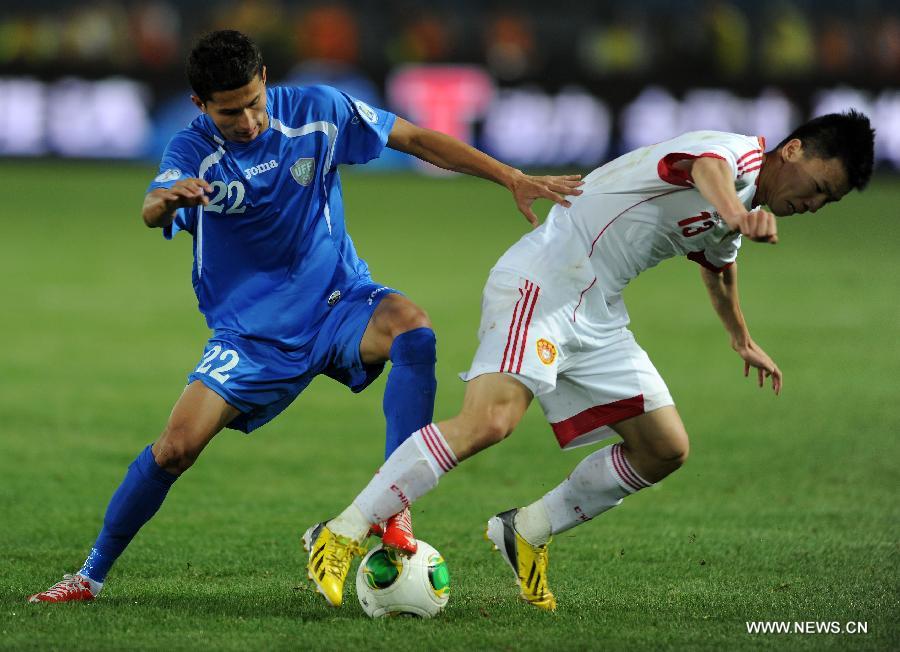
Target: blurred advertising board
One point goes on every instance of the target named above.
(528, 125)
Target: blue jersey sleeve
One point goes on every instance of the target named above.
(179, 161)
(363, 130)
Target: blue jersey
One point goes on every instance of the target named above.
(271, 251)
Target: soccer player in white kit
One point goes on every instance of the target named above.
(554, 325)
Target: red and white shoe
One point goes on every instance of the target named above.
(70, 589)
(397, 533)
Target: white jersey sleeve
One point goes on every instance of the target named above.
(743, 155)
(635, 212)
(718, 255)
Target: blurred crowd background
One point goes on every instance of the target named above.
(614, 73)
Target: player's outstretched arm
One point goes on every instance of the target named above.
(723, 292)
(451, 154)
(714, 180)
(160, 204)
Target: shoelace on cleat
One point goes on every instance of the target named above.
(68, 584)
(403, 521)
(340, 556)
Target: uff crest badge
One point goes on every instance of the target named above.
(303, 170)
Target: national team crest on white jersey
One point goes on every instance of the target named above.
(546, 351)
(303, 170)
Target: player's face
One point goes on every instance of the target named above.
(239, 114)
(805, 183)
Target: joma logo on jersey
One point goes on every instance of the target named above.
(249, 173)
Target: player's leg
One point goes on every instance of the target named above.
(493, 405)
(654, 445)
(400, 331)
(608, 385)
(198, 415)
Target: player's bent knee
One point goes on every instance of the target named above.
(494, 425)
(492, 432)
(411, 320)
(672, 450)
(396, 315)
(175, 451)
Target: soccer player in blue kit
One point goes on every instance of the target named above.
(254, 180)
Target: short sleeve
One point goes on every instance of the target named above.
(739, 152)
(179, 161)
(363, 130)
(720, 255)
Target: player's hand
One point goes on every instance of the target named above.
(526, 189)
(765, 367)
(187, 193)
(759, 226)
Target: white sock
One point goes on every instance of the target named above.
(410, 472)
(533, 523)
(598, 483)
(350, 523)
(96, 586)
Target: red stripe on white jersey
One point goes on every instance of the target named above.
(700, 258)
(667, 171)
(529, 288)
(636, 204)
(750, 153)
(568, 430)
(524, 340)
(753, 169)
(581, 297)
(512, 323)
(750, 162)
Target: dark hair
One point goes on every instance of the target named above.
(845, 136)
(222, 61)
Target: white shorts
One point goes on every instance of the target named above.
(585, 378)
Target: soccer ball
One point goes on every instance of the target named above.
(389, 584)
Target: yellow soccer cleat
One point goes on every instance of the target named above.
(330, 556)
(529, 563)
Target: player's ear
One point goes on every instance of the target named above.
(262, 75)
(200, 104)
(792, 150)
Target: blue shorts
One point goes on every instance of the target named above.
(261, 380)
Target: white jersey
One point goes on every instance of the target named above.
(635, 212)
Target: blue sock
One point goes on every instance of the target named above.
(135, 501)
(411, 386)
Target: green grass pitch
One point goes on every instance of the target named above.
(787, 509)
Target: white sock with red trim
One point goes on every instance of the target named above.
(410, 472)
(598, 483)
